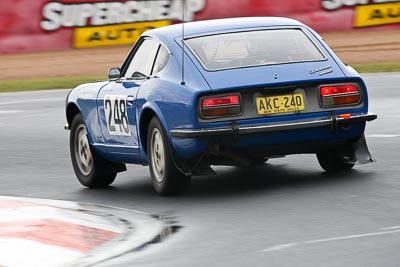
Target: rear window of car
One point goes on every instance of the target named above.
(253, 48)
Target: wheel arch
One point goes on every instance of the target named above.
(71, 111)
(146, 115)
(145, 118)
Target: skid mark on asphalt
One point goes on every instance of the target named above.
(383, 231)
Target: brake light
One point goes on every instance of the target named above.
(216, 106)
(343, 89)
(339, 95)
(222, 100)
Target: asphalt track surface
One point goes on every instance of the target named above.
(286, 213)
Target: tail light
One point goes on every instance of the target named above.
(339, 95)
(217, 106)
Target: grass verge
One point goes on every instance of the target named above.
(377, 67)
(70, 82)
(45, 83)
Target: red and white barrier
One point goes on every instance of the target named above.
(35, 232)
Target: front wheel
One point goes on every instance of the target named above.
(166, 178)
(332, 162)
(89, 167)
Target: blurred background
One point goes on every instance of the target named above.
(58, 44)
(240, 216)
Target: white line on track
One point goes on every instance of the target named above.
(10, 111)
(390, 228)
(33, 100)
(383, 135)
(386, 231)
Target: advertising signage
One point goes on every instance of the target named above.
(37, 25)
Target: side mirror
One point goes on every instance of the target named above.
(114, 74)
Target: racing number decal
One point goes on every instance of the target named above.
(116, 115)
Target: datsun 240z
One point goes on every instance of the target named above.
(226, 92)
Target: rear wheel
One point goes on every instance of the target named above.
(333, 162)
(166, 178)
(88, 165)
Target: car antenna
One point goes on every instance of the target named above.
(183, 43)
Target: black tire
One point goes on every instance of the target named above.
(89, 167)
(166, 178)
(333, 162)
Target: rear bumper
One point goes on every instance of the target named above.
(332, 121)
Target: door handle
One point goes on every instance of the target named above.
(130, 100)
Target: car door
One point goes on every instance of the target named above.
(116, 101)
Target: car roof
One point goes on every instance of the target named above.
(220, 25)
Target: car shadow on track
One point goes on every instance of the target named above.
(269, 178)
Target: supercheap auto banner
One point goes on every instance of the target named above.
(37, 25)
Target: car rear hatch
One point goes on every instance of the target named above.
(260, 57)
(285, 89)
(290, 73)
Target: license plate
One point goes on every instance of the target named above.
(279, 104)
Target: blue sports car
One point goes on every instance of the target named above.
(222, 92)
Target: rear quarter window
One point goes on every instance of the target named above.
(253, 48)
